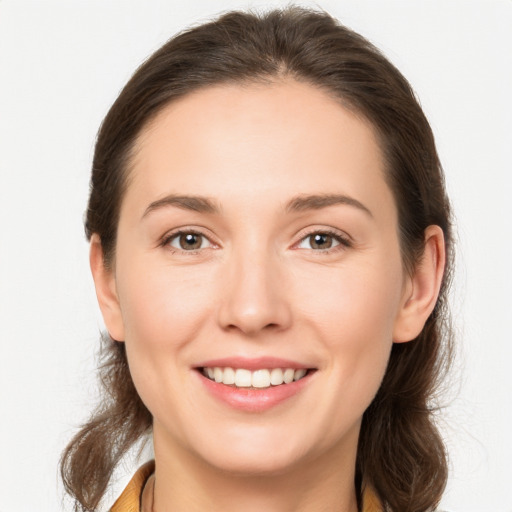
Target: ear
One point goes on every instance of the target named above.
(106, 292)
(422, 288)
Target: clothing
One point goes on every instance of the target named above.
(129, 501)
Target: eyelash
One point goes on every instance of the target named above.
(167, 239)
(343, 241)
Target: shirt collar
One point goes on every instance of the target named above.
(129, 501)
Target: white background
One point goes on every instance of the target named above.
(62, 64)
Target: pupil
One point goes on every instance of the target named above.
(321, 241)
(190, 241)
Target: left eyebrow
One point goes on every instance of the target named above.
(319, 201)
(195, 203)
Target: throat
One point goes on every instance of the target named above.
(222, 492)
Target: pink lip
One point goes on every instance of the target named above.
(251, 399)
(252, 363)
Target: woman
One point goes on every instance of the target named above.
(270, 244)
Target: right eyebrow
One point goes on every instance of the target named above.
(195, 203)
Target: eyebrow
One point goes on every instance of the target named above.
(195, 203)
(319, 201)
(297, 204)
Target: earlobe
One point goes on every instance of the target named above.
(106, 292)
(422, 289)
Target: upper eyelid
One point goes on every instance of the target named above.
(341, 242)
(338, 233)
(303, 233)
(187, 229)
(172, 234)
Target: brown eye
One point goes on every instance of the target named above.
(189, 241)
(320, 241)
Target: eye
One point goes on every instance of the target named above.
(188, 241)
(322, 241)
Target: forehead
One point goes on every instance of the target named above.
(261, 140)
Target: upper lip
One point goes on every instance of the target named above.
(253, 363)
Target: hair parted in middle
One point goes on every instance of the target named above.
(400, 451)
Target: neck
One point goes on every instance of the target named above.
(185, 483)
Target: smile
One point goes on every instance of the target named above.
(260, 378)
(254, 385)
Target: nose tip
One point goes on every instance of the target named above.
(254, 300)
(250, 323)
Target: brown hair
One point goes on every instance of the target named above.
(400, 452)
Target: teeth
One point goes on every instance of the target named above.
(229, 376)
(242, 378)
(263, 378)
(288, 375)
(276, 377)
(299, 374)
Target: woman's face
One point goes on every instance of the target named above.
(257, 242)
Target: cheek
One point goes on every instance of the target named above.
(353, 302)
(164, 308)
(163, 312)
(353, 313)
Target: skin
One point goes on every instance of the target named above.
(258, 287)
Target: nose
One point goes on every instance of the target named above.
(254, 296)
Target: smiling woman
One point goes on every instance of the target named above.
(270, 245)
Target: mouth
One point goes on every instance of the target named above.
(261, 378)
(254, 385)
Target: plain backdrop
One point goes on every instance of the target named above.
(62, 64)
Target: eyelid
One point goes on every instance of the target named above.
(185, 230)
(343, 238)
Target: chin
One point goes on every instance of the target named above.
(262, 464)
(250, 451)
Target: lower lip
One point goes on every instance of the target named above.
(253, 399)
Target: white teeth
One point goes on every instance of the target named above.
(276, 377)
(243, 378)
(229, 376)
(299, 374)
(263, 378)
(217, 374)
(288, 375)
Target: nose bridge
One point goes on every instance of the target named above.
(253, 297)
